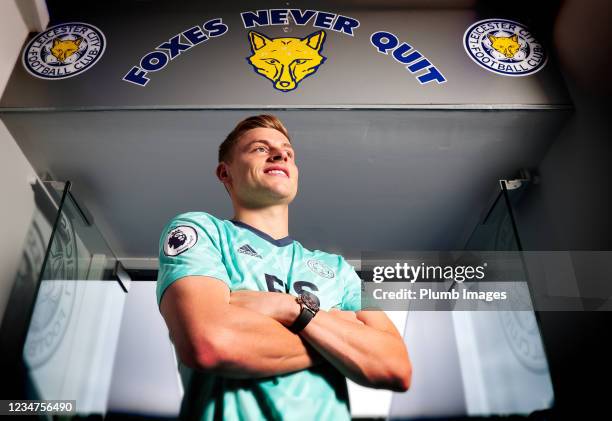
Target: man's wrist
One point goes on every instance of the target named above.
(309, 306)
(292, 310)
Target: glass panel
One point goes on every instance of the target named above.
(23, 292)
(72, 337)
(503, 362)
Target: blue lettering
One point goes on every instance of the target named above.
(405, 54)
(169, 50)
(432, 74)
(154, 61)
(195, 35)
(137, 76)
(251, 19)
(215, 27)
(175, 47)
(415, 55)
(324, 20)
(301, 18)
(390, 42)
(421, 64)
(345, 24)
(278, 17)
(398, 54)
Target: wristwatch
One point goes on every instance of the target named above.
(309, 304)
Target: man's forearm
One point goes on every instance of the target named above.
(252, 345)
(362, 353)
(373, 356)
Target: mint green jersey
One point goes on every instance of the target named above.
(246, 258)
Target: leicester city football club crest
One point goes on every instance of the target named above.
(523, 335)
(64, 50)
(179, 240)
(320, 268)
(504, 47)
(56, 298)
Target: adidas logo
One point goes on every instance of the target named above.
(246, 249)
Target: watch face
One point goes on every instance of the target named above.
(310, 300)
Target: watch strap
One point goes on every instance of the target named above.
(305, 316)
(302, 320)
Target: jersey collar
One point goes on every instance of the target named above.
(280, 242)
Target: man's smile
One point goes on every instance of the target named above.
(276, 170)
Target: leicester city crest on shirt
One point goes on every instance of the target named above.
(179, 240)
(320, 268)
(504, 47)
(64, 51)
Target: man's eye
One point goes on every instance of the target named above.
(260, 148)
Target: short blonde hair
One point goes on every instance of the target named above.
(253, 122)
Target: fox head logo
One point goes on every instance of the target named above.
(286, 61)
(62, 49)
(508, 46)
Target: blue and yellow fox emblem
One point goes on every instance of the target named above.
(62, 49)
(286, 61)
(508, 46)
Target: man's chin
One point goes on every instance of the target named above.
(271, 197)
(281, 197)
(279, 190)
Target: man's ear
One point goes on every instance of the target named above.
(222, 172)
(223, 176)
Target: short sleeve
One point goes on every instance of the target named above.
(351, 298)
(189, 246)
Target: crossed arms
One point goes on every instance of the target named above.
(244, 335)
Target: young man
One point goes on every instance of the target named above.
(264, 328)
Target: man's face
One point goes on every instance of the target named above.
(262, 170)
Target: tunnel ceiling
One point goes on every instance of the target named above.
(369, 180)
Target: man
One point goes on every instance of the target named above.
(264, 328)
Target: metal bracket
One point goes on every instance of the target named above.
(123, 277)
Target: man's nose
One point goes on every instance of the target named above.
(279, 156)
